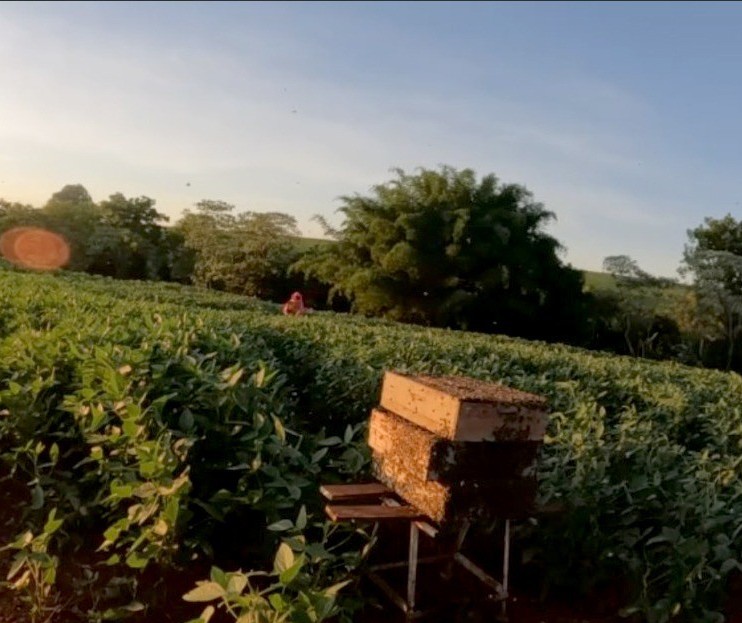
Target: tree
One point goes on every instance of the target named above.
(14, 214)
(121, 237)
(130, 241)
(72, 213)
(74, 195)
(248, 252)
(442, 248)
(713, 257)
(640, 308)
(724, 234)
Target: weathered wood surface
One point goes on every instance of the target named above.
(464, 409)
(356, 491)
(431, 457)
(371, 512)
(464, 499)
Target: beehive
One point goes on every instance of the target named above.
(458, 448)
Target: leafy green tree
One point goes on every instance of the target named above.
(640, 309)
(248, 252)
(73, 213)
(180, 259)
(120, 237)
(724, 234)
(129, 242)
(443, 248)
(14, 214)
(713, 257)
(74, 195)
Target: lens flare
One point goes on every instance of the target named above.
(34, 247)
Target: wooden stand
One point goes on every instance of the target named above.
(376, 503)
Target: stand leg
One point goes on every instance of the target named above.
(412, 569)
(448, 569)
(506, 566)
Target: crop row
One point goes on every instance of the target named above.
(643, 456)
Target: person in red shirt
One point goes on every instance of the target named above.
(294, 306)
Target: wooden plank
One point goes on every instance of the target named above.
(355, 491)
(423, 525)
(464, 409)
(371, 512)
(481, 575)
(433, 458)
(395, 597)
(405, 563)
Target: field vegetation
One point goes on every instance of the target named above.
(150, 430)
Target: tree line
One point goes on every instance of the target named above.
(438, 247)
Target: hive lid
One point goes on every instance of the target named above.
(468, 389)
(464, 409)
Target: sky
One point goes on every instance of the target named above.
(624, 119)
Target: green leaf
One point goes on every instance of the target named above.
(17, 565)
(301, 520)
(317, 550)
(218, 576)
(237, 583)
(136, 561)
(207, 614)
(284, 558)
(319, 455)
(134, 606)
(130, 428)
(260, 377)
(330, 441)
(121, 491)
(52, 524)
(280, 430)
(37, 498)
(205, 591)
(668, 535)
(278, 602)
(235, 378)
(112, 533)
(336, 588)
(281, 525)
(186, 420)
(287, 576)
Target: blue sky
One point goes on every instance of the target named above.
(625, 119)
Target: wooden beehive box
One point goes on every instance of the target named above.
(464, 409)
(450, 481)
(428, 457)
(466, 499)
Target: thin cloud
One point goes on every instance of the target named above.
(267, 116)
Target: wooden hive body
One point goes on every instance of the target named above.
(451, 481)
(430, 457)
